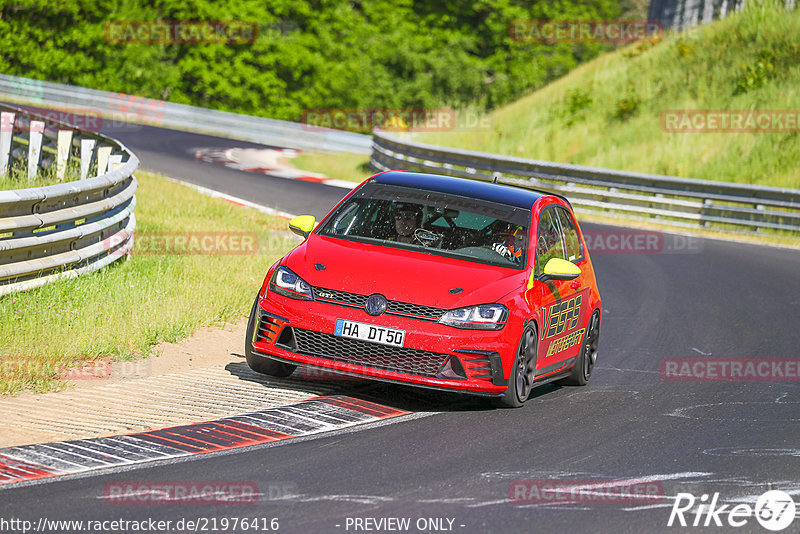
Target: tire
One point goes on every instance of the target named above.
(258, 363)
(523, 372)
(582, 370)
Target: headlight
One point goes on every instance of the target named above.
(285, 282)
(483, 317)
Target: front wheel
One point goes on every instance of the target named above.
(524, 371)
(258, 363)
(582, 370)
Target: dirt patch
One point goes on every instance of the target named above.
(201, 378)
(210, 346)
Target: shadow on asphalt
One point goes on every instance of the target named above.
(414, 399)
(300, 379)
(408, 398)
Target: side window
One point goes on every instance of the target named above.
(344, 221)
(359, 218)
(571, 238)
(550, 241)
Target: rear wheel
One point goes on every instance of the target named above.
(523, 373)
(582, 370)
(261, 364)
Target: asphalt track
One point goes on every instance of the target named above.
(456, 457)
(172, 153)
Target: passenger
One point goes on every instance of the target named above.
(509, 242)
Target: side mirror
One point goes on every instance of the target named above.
(558, 269)
(302, 225)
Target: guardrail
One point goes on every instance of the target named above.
(67, 229)
(138, 109)
(667, 199)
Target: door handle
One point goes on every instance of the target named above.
(575, 285)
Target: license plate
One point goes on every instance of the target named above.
(370, 332)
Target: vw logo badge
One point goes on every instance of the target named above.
(376, 304)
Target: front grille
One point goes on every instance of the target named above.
(357, 352)
(404, 308)
(393, 307)
(341, 297)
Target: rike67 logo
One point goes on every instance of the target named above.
(774, 510)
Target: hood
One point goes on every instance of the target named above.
(401, 275)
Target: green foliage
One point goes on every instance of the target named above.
(627, 106)
(684, 47)
(576, 102)
(755, 75)
(308, 54)
(641, 47)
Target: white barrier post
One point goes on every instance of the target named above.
(6, 134)
(114, 162)
(87, 147)
(62, 152)
(708, 11)
(34, 148)
(103, 153)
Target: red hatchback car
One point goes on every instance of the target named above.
(437, 282)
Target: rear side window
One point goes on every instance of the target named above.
(571, 239)
(550, 240)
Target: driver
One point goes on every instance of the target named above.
(407, 218)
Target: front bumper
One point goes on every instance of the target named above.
(433, 356)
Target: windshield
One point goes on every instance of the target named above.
(433, 222)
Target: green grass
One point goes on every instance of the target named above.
(340, 165)
(125, 309)
(607, 113)
(17, 176)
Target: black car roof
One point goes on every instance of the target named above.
(502, 194)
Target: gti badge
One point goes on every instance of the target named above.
(376, 304)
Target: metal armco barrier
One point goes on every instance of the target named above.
(663, 199)
(137, 109)
(68, 229)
